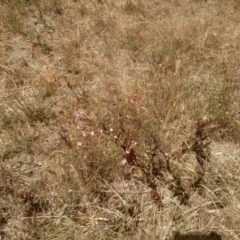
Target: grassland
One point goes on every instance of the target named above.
(119, 119)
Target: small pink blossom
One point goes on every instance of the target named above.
(237, 72)
(134, 142)
(123, 162)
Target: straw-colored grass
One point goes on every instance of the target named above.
(119, 119)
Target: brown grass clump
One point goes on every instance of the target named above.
(119, 119)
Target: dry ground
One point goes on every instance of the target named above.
(119, 119)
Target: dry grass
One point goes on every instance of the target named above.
(119, 119)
